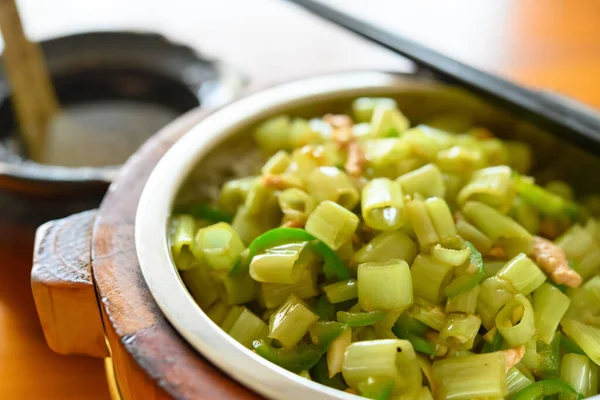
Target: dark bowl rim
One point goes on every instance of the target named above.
(14, 176)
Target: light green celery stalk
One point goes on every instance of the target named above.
(384, 286)
(470, 377)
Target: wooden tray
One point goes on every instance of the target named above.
(90, 258)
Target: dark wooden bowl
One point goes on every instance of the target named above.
(100, 66)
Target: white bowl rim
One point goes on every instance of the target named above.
(155, 207)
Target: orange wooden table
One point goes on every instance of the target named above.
(553, 44)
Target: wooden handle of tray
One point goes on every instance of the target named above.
(63, 289)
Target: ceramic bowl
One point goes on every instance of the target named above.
(209, 154)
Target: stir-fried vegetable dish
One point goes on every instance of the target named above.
(399, 262)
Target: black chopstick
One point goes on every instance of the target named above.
(566, 121)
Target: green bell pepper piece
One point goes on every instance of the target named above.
(494, 345)
(542, 389)
(320, 374)
(356, 319)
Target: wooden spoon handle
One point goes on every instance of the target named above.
(63, 289)
(34, 98)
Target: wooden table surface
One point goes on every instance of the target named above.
(553, 44)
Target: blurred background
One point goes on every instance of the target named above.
(551, 45)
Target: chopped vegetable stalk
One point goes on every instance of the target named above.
(547, 202)
(587, 337)
(329, 183)
(296, 204)
(585, 303)
(492, 186)
(386, 246)
(291, 322)
(183, 237)
(495, 225)
(302, 133)
(248, 328)
(465, 302)
(491, 268)
(494, 294)
(427, 313)
(523, 274)
(304, 356)
(219, 245)
(382, 204)
(576, 242)
(185, 260)
(305, 374)
(441, 217)
(385, 286)
(231, 317)
(249, 227)
(285, 263)
(526, 215)
(549, 307)
(386, 157)
(425, 142)
(470, 377)
(341, 291)
(233, 195)
(275, 294)
(459, 160)
(579, 372)
(218, 312)
(425, 394)
(387, 121)
(260, 198)
(515, 321)
(336, 352)
(516, 380)
(273, 134)
(237, 289)
(201, 286)
(383, 359)
(459, 331)
(421, 223)
(363, 107)
(464, 283)
(470, 233)
(426, 181)
(454, 254)
(430, 277)
(332, 224)
(277, 164)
